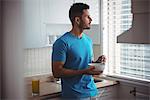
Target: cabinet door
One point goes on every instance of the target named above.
(32, 14)
(133, 92)
(38, 13)
(94, 9)
(142, 93)
(108, 93)
(57, 11)
(124, 92)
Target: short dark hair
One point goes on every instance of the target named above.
(77, 10)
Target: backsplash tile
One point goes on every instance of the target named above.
(37, 61)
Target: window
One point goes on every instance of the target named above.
(123, 59)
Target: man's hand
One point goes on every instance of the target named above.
(91, 71)
(101, 59)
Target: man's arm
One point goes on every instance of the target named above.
(59, 71)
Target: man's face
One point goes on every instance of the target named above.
(85, 20)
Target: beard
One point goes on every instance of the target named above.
(84, 26)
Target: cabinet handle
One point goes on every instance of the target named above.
(133, 91)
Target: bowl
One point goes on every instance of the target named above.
(98, 66)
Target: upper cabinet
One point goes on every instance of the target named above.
(51, 17)
(57, 11)
(34, 34)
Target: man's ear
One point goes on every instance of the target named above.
(77, 20)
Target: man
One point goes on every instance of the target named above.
(71, 54)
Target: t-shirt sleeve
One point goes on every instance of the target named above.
(59, 51)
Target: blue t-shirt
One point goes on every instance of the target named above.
(76, 53)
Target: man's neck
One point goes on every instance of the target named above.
(77, 32)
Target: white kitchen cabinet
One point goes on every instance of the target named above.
(124, 92)
(108, 93)
(142, 93)
(57, 11)
(35, 35)
(39, 14)
(129, 91)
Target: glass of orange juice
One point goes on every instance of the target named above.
(35, 87)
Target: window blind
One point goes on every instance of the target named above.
(124, 59)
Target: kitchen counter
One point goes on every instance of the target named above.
(104, 82)
(52, 89)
